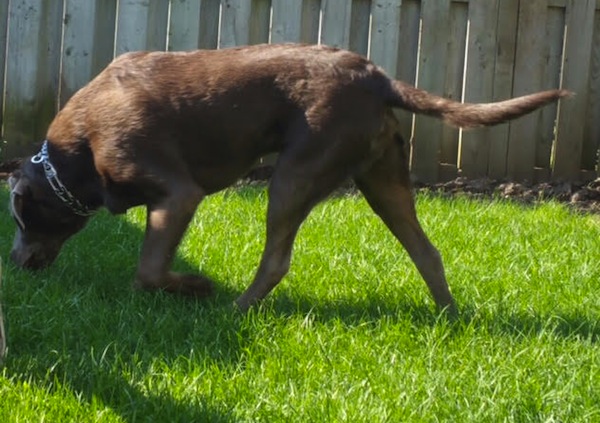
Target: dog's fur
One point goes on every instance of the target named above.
(166, 129)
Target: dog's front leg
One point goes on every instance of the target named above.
(166, 223)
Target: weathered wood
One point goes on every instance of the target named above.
(576, 70)
(433, 57)
(208, 34)
(88, 42)
(3, 35)
(529, 71)
(141, 25)
(311, 11)
(479, 83)
(286, 23)
(385, 33)
(260, 22)
(194, 24)
(506, 37)
(235, 19)
(184, 25)
(459, 17)
(591, 145)
(408, 50)
(553, 58)
(335, 23)
(360, 23)
(32, 69)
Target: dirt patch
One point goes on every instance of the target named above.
(580, 196)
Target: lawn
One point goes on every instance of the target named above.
(350, 334)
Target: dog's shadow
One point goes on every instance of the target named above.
(132, 328)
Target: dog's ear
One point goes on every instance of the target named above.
(18, 189)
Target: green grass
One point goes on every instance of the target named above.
(349, 335)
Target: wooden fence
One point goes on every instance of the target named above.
(475, 50)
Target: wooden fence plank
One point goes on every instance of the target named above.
(506, 37)
(235, 19)
(311, 17)
(286, 23)
(142, 25)
(578, 46)
(88, 42)
(3, 35)
(260, 22)
(360, 23)
(385, 33)
(184, 25)
(32, 69)
(455, 66)
(591, 146)
(335, 23)
(529, 70)
(408, 51)
(553, 57)
(208, 34)
(194, 24)
(479, 83)
(433, 55)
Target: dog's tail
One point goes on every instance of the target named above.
(468, 115)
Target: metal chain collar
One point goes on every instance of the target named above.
(57, 186)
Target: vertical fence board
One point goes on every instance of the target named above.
(184, 25)
(85, 51)
(311, 20)
(360, 23)
(555, 30)
(506, 38)
(433, 55)
(479, 83)
(578, 46)
(385, 33)
(194, 24)
(3, 35)
(335, 23)
(286, 24)
(408, 51)
(260, 22)
(208, 34)
(529, 70)
(591, 146)
(31, 73)
(459, 15)
(142, 25)
(235, 20)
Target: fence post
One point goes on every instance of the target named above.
(335, 23)
(142, 25)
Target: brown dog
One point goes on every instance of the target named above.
(166, 129)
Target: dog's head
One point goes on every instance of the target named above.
(44, 222)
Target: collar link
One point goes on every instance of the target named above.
(57, 186)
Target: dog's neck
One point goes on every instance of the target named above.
(76, 171)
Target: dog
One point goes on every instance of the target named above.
(166, 129)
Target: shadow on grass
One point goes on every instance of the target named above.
(80, 323)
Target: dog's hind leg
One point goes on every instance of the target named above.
(166, 223)
(301, 179)
(386, 186)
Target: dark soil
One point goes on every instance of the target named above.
(580, 196)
